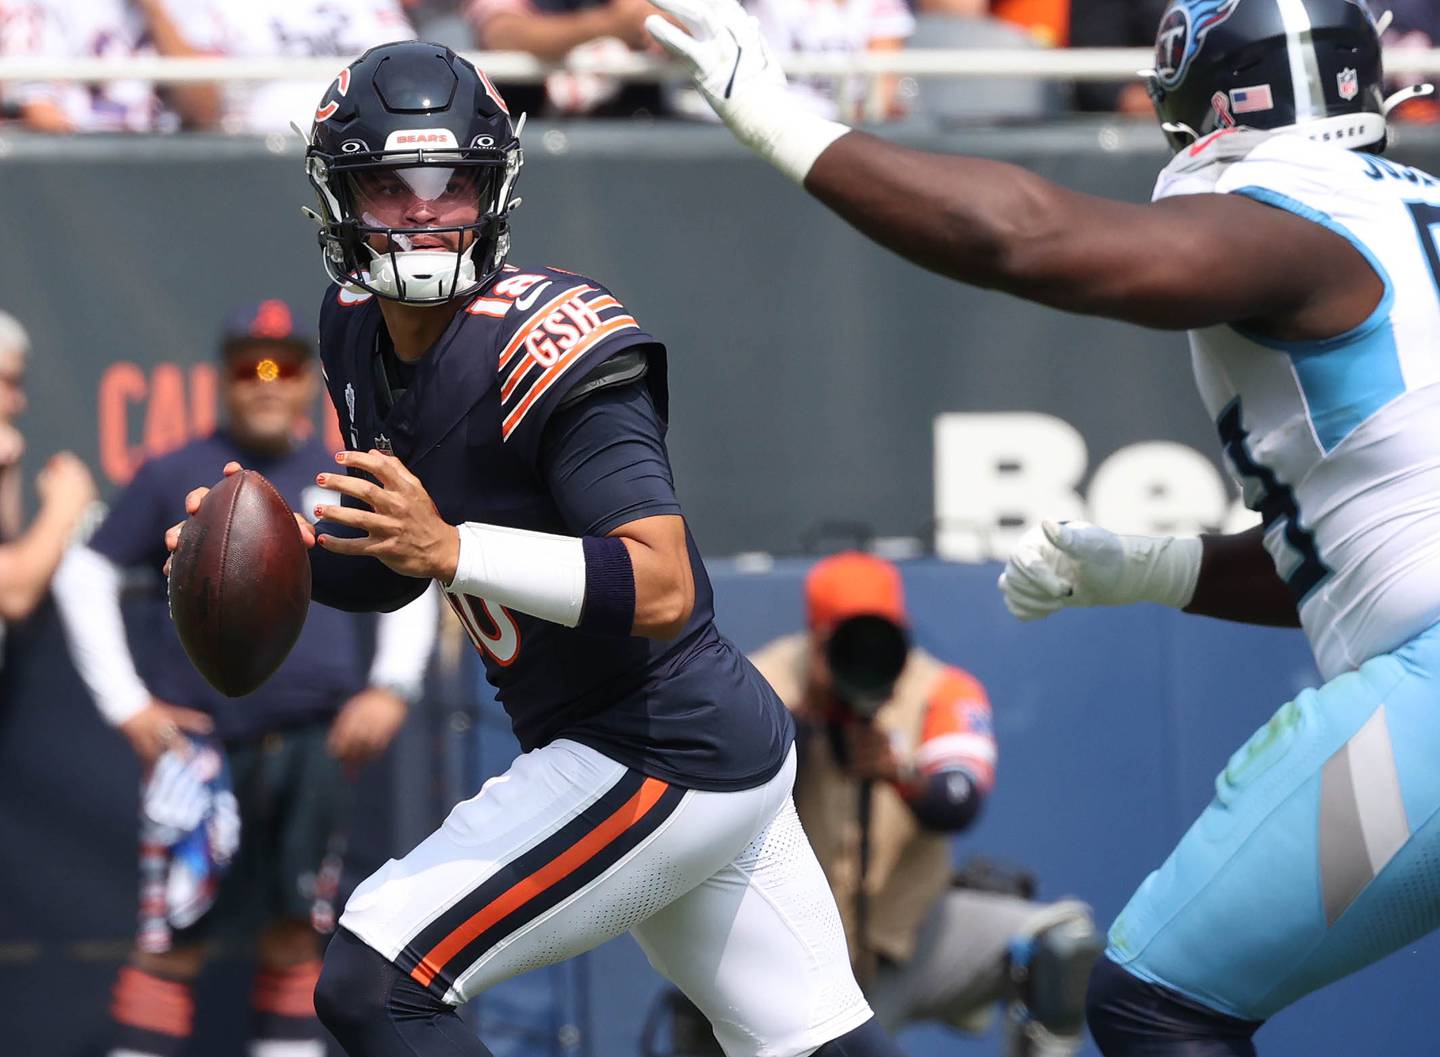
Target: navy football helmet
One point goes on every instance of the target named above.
(414, 158)
(1271, 64)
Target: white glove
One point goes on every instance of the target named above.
(1063, 564)
(734, 70)
(724, 49)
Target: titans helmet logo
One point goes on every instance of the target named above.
(1182, 34)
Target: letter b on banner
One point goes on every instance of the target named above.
(998, 474)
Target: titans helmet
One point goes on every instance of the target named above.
(414, 157)
(1270, 64)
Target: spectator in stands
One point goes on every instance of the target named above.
(897, 754)
(287, 745)
(300, 29)
(66, 29)
(815, 27)
(1115, 24)
(1048, 21)
(987, 24)
(1416, 26)
(1416, 16)
(28, 558)
(555, 29)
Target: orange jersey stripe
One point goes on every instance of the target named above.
(518, 338)
(600, 304)
(552, 373)
(558, 868)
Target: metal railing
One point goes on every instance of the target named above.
(1074, 64)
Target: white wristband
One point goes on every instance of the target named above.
(783, 133)
(530, 572)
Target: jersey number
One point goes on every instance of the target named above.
(1427, 223)
(502, 645)
(1275, 501)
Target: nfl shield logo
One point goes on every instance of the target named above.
(1349, 82)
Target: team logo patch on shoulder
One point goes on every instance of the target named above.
(1183, 30)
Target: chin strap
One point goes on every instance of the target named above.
(1405, 95)
(1179, 128)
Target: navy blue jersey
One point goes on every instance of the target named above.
(327, 664)
(484, 422)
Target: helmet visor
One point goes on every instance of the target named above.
(428, 205)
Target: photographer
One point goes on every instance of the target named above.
(897, 754)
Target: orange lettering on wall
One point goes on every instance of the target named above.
(121, 385)
(202, 399)
(166, 427)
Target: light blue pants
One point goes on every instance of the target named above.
(1319, 854)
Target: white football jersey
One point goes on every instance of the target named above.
(1336, 443)
(343, 29)
(815, 27)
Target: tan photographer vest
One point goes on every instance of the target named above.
(909, 866)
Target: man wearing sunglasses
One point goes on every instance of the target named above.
(287, 746)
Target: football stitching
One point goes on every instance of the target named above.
(224, 558)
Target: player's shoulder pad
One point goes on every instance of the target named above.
(621, 369)
(1291, 166)
(1198, 168)
(554, 328)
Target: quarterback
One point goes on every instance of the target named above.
(1306, 269)
(505, 436)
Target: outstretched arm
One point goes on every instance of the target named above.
(1073, 565)
(999, 226)
(1238, 582)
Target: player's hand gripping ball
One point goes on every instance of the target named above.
(239, 581)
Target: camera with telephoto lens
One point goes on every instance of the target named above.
(865, 655)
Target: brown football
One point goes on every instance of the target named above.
(240, 583)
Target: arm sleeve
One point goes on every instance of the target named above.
(357, 583)
(946, 801)
(604, 461)
(957, 755)
(403, 641)
(87, 593)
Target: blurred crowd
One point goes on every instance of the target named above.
(568, 32)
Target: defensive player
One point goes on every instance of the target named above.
(506, 433)
(1306, 269)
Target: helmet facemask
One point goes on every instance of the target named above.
(420, 226)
